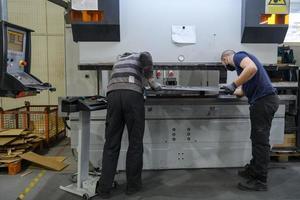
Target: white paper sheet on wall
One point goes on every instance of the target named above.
(184, 34)
(85, 4)
(293, 33)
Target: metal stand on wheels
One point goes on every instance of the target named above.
(86, 184)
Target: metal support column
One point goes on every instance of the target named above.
(83, 147)
(298, 112)
(86, 184)
(104, 82)
(3, 10)
(98, 82)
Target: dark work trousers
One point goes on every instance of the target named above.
(261, 115)
(125, 107)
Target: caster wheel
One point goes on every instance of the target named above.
(86, 197)
(73, 178)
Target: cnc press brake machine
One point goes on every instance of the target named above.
(187, 126)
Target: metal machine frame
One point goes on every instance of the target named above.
(103, 68)
(169, 120)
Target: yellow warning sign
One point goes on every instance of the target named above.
(277, 6)
(277, 2)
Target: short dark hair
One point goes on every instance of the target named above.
(125, 54)
(146, 59)
(227, 53)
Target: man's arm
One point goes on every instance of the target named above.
(249, 70)
(147, 64)
(148, 73)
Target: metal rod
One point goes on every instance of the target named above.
(98, 82)
(298, 112)
(3, 10)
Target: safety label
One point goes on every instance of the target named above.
(277, 6)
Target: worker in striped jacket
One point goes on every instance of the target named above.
(126, 106)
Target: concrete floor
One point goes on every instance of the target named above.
(210, 184)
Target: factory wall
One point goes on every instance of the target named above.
(48, 50)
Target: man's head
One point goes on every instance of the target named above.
(227, 59)
(146, 59)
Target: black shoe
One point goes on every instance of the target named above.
(102, 194)
(132, 190)
(253, 185)
(247, 172)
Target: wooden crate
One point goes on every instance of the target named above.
(42, 120)
(12, 168)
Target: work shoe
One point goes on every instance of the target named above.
(132, 190)
(247, 172)
(102, 194)
(253, 185)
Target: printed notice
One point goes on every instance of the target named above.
(85, 4)
(184, 34)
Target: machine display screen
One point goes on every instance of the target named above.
(15, 41)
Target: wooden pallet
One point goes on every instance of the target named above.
(284, 156)
(13, 166)
(6, 161)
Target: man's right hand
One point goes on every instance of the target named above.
(154, 85)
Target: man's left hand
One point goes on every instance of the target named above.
(229, 89)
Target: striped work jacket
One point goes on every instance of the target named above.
(130, 72)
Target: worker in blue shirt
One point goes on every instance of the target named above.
(254, 82)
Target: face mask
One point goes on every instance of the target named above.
(230, 67)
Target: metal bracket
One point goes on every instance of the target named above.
(3, 10)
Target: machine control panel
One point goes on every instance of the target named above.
(87, 103)
(15, 66)
(16, 55)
